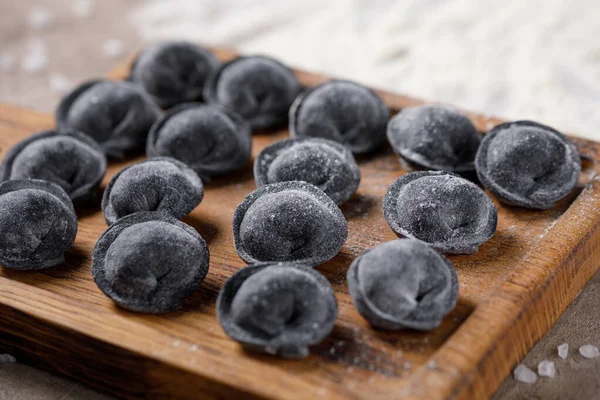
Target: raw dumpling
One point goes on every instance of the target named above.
(37, 224)
(450, 213)
(209, 139)
(259, 89)
(324, 163)
(68, 158)
(149, 261)
(403, 284)
(434, 138)
(278, 308)
(527, 164)
(343, 111)
(117, 115)
(173, 72)
(288, 221)
(157, 184)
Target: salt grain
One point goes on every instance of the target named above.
(589, 351)
(563, 350)
(59, 83)
(7, 359)
(83, 8)
(546, 368)
(36, 56)
(524, 374)
(113, 48)
(40, 18)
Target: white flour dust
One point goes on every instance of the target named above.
(535, 59)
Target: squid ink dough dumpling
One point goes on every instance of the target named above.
(259, 89)
(434, 138)
(527, 164)
(157, 184)
(117, 115)
(288, 221)
(324, 163)
(278, 308)
(403, 284)
(149, 261)
(70, 159)
(343, 111)
(37, 224)
(173, 72)
(451, 214)
(209, 139)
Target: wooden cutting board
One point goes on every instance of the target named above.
(511, 292)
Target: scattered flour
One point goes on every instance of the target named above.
(524, 374)
(546, 368)
(563, 350)
(517, 59)
(36, 56)
(589, 351)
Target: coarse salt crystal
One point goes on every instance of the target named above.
(546, 368)
(589, 351)
(7, 359)
(524, 374)
(563, 350)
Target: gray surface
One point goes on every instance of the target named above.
(79, 43)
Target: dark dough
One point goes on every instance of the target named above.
(434, 138)
(157, 184)
(149, 261)
(288, 221)
(450, 213)
(527, 164)
(343, 111)
(117, 115)
(326, 164)
(37, 224)
(259, 89)
(209, 139)
(278, 308)
(68, 158)
(403, 284)
(173, 72)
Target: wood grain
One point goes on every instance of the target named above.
(511, 292)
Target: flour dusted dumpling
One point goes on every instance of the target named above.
(527, 164)
(403, 284)
(343, 111)
(117, 115)
(209, 139)
(324, 163)
(434, 138)
(149, 261)
(68, 158)
(278, 308)
(37, 224)
(288, 221)
(450, 213)
(259, 89)
(173, 72)
(157, 184)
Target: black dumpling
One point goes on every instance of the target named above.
(450, 213)
(403, 284)
(527, 164)
(68, 158)
(434, 138)
(117, 115)
(288, 221)
(173, 72)
(209, 139)
(37, 224)
(149, 261)
(343, 111)
(278, 308)
(259, 89)
(324, 163)
(157, 184)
